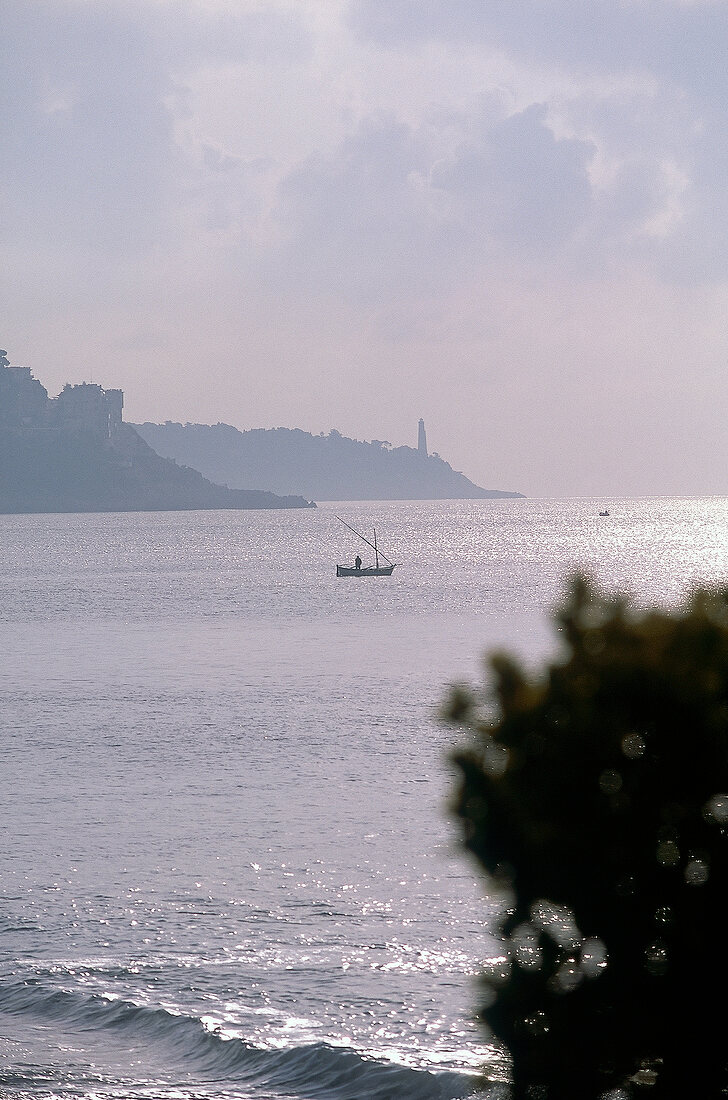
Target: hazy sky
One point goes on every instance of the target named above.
(509, 218)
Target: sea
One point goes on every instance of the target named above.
(229, 868)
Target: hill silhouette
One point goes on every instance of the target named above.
(54, 471)
(320, 467)
(74, 453)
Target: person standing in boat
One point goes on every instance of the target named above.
(357, 562)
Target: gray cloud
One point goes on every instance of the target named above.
(362, 219)
(684, 43)
(192, 35)
(88, 150)
(520, 183)
(91, 93)
(387, 215)
(665, 142)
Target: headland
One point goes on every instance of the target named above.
(74, 453)
(323, 467)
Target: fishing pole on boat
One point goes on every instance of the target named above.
(373, 545)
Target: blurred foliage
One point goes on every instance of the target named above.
(597, 797)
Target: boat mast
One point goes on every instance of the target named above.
(376, 552)
(359, 534)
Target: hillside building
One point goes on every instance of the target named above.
(25, 405)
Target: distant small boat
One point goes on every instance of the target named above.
(359, 570)
(605, 512)
(364, 570)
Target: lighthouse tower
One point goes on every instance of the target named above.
(422, 439)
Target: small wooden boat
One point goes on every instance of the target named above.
(359, 570)
(364, 570)
(605, 512)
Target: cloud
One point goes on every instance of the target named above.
(88, 138)
(386, 213)
(362, 218)
(680, 42)
(396, 211)
(643, 83)
(92, 94)
(106, 152)
(520, 184)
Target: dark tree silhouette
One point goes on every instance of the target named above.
(597, 795)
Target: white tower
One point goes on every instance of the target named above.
(422, 439)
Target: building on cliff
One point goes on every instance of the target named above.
(23, 400)
(74, 453)
(87, 407)
(25, 405)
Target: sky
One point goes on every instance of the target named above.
(508, 218)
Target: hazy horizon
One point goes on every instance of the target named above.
(509, 220)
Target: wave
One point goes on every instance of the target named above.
(20, 924)
(316, 1071)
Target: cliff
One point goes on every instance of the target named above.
(329, 467)
(55, 471)
(74, 453)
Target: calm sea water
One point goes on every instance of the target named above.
(228, 868)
